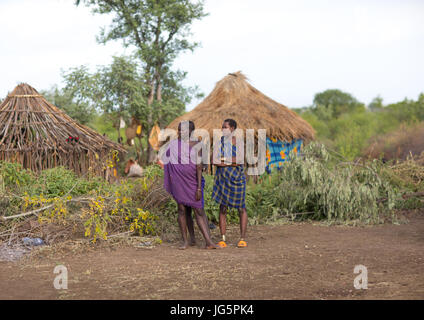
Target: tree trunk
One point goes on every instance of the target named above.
(119, 134)
(151, 96)
(118, 127)
(149, 120)
(159, 89)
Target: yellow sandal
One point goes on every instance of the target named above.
(222, 244)
(242, 244)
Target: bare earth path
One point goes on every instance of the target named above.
(296, 261)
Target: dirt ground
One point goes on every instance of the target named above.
(293, 261)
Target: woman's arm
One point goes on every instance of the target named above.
(199, 168)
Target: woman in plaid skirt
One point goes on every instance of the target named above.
(229, 188)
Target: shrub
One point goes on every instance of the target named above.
(93, 205)
(314, 186)
(400, 144)
(14, 175)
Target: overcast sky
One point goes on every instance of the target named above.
(290, 50)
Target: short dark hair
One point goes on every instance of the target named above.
(232, 123)
(190, 125)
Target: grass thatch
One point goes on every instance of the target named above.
(233, 97)
(35, 133)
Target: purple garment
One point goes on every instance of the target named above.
(180, 176)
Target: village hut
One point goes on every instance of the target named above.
(40, 136)
(234, 97)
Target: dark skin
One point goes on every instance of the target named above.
(185, 220)
(190, 226)
(227, 129)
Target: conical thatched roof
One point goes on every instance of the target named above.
(233, 97)
(36, 134)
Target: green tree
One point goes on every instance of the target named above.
(159, 30)
(376, 104)
(333, 103)
(408, 111)
(119, 91)
(122, 90)
(116, 89)
(77, 109)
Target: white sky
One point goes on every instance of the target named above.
(289, 50)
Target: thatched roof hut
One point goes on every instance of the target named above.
(233, 97)
(39, 135)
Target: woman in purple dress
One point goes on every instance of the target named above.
(183, 180)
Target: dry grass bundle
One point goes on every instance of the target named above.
(38, 135)
(233, 97)
(411, 173)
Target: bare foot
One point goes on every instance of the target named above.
(193, 242)
(183, 246)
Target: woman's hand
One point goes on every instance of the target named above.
(198, 194)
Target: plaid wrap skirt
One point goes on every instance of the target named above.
(229, 187)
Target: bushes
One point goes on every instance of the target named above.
(316, 186)
(350, 132)
(125, 210)
(56, 182)
(320, 188)
(399, 144)
(13, 175)
(51, 183)
(93, 206)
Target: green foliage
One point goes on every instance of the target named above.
(343, 124)
(13, 175)
(103, 124)
(121, 87)
(376, 104)
(133, 205)
(160, 31)
(73, 98)
(153, 172)
(319, 187)
(408, 111)
(55, 182)
(115, 89)
(211, 207)
(119, 90)
(59, 181)
(122, 207)
(333, 103)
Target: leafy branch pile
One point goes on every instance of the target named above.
(92, 208)
(318, 186)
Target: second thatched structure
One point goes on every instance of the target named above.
(234, 97)
(40, 136)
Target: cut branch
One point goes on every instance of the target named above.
(35, 212)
